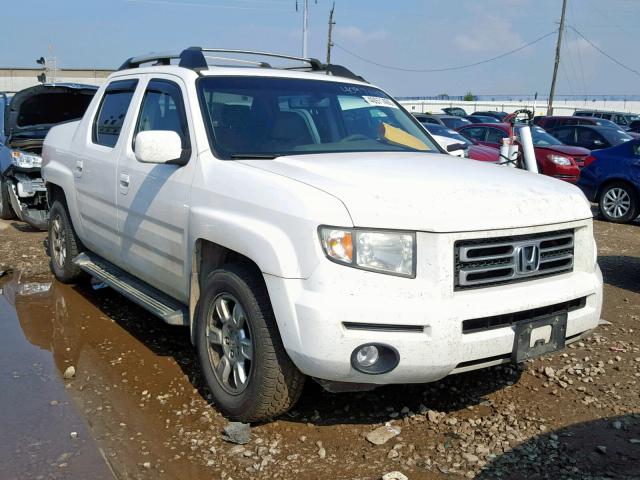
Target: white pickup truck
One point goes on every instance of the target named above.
(301, 223)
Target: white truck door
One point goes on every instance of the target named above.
(153, 199)
(95, 170)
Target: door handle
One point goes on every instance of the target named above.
(79, 166)
(124, 182)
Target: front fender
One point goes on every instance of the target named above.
(59, 174)
(268, 218)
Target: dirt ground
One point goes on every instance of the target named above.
(136, 407)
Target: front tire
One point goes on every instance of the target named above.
(239, 347)
(618, 203)
(6, 211)
(64, 245)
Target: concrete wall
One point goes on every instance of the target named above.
(561, 107)
(14, 79)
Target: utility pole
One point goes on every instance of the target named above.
(305, 27)
(557, 62)
(329, 41)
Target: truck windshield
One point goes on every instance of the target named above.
(266, 117)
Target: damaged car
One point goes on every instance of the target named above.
(27, 119)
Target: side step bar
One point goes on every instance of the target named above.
(151, 299)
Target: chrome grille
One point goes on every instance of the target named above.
(494, 261)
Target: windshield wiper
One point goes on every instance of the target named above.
(254, 156)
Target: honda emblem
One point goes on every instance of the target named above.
(527, 259)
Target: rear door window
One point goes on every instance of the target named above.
(565, 135)
(590, 138)
(476, 133)
(495, 135)
(112, 112)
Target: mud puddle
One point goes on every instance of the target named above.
(43, 434)
(130, 405)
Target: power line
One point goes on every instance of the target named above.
(619, 63)
(566, 77)
(584, 84)
(444, 69)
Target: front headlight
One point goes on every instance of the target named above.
(25, 160)
(381, 251)
(559, 160)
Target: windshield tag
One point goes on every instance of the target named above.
(379, 101)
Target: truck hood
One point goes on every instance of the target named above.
(568, 150)
(34, 110)
(433, 192)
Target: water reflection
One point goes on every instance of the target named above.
(128, 383)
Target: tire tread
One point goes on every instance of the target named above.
(71, 272)
(282, 383)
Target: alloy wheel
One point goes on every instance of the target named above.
(616, 202)
(229, 343)
(58, 242)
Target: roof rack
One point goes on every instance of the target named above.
(195, 58)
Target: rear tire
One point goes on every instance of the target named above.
(239, 347)
(64, 244)
(618, 203)
(6, 211)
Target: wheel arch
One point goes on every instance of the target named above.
(55, 192)
(616, 179)
(207, 256)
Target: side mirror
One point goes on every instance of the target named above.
(597, 143)
(454, 147)
(158, 146)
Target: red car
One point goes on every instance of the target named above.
(554, 158)
(474, 150)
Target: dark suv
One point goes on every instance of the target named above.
(622, 119)
(556, 121)
(590, 136)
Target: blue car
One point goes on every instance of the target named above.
(612, 179)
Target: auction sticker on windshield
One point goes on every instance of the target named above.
(379, 101)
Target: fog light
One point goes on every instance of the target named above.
(374, 358)
(367, 356)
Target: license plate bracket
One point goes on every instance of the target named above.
(522, 348)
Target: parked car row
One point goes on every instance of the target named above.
(446, 137)
(553, 158)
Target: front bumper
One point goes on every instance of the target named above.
(20, 203)
(312, 313)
